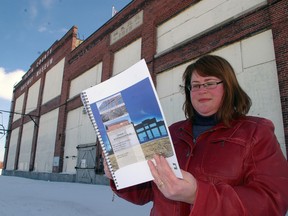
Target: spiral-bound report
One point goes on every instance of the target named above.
(128, 120)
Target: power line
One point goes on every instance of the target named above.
(23, 114)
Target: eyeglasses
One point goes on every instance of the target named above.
(207, 85)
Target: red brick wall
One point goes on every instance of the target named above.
(97, 49)
(273, 16)
(58, 51)
(278, 12)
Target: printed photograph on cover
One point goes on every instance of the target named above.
(131, 125)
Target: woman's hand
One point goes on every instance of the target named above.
(106, 169)
(173, 188)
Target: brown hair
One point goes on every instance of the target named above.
(235, 101)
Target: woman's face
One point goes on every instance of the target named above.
(206, 101)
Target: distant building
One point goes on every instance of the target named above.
(150, 129)
(55, 139)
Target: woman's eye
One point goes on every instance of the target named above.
(196, 86)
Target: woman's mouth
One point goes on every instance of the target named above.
(203, 100)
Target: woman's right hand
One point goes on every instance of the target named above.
(183, 190)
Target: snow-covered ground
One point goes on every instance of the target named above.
(21, 196)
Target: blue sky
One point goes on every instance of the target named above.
(30, 27)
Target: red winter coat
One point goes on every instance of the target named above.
(240, 170)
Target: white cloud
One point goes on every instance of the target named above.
(7, 82)
(42, 29)
(47, 3)
(63, 30)
(33, 11)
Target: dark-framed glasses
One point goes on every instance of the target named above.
(208, 85)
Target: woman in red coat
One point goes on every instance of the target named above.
(231, 163)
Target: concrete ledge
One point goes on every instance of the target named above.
(58, 177)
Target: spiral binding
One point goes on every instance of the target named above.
(86, 103)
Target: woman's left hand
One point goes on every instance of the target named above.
(106, 169)
(173, 188)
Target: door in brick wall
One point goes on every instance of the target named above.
(86, 163)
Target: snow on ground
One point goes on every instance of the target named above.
(21, 196)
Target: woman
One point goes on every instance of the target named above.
(231, 163)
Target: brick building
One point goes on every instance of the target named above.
(50, 133)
